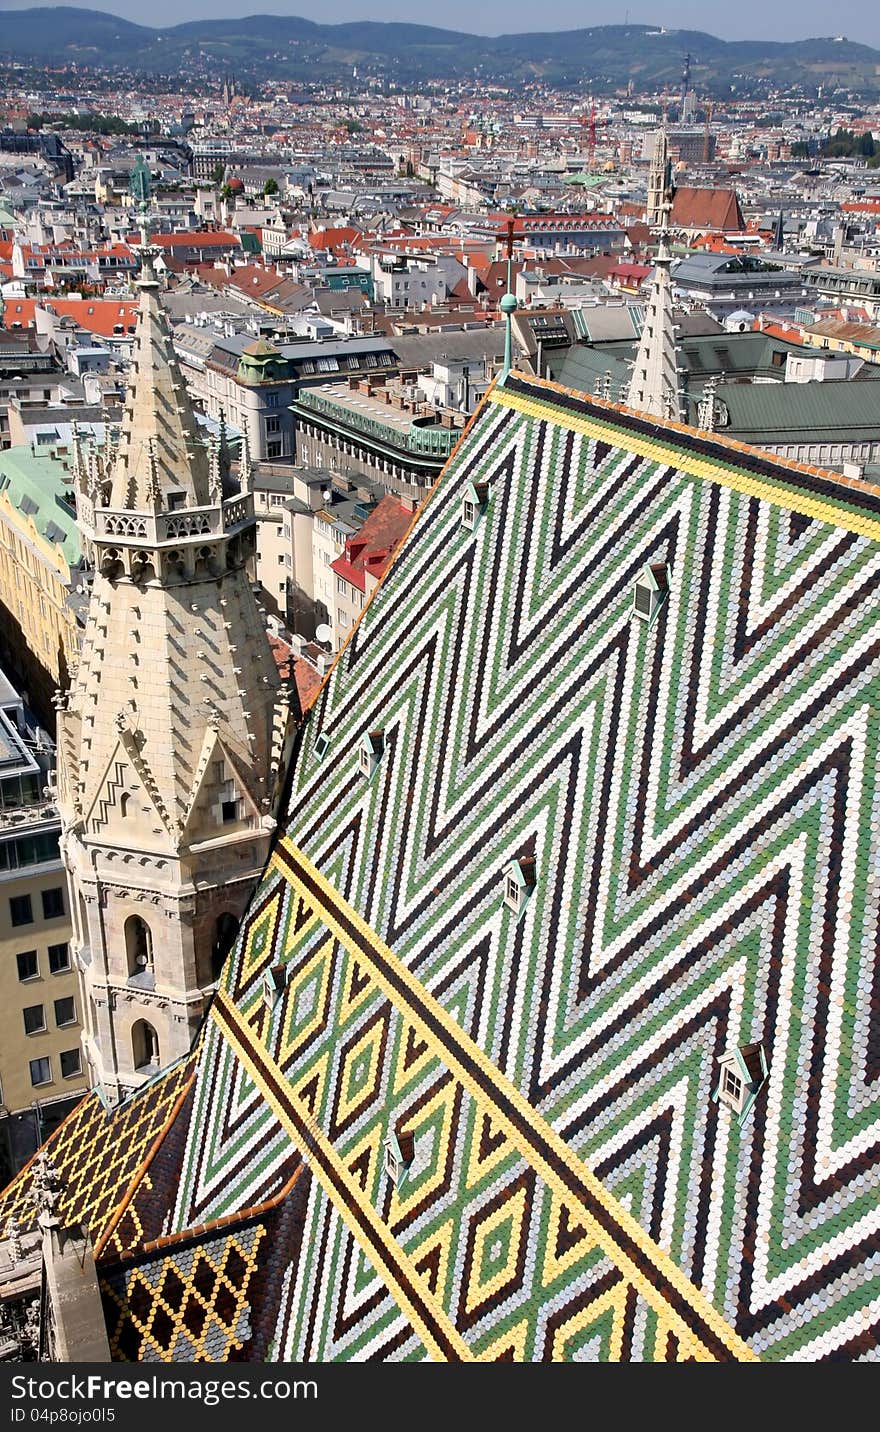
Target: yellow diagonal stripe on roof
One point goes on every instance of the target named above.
(458, 1050)
(381, 1248)
(656, 449)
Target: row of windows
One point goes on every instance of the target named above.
(70, 1063)
(21, 911)
(27, 850)
(29, 965)
(35, 1015)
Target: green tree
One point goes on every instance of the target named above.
(217, 174)
(270, 186)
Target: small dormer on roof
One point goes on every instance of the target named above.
(650, 591)
(519, 882)
(473, 503)
(370, 749)
(399, 1153)
(742, 1071)
(274, 980)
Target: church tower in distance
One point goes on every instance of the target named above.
(173, 739)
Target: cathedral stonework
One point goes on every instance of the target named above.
(173, 737)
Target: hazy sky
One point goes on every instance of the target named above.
(749, 19)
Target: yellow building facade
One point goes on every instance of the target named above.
(39, 570)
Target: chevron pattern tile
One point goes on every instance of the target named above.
(692, 806)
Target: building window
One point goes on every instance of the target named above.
(342, 586)
(138, 946)
(273, 984)
(272, 400)
(228, 811)
(59, 959)
(41, 1072)
(370, 749)
(53, 903)
(273, 449)
(20, 911)
(28, 967)
(71, 1063)
(65, 1011)
(273, 425)
(321, 743)
(743, 1072)
(519, 882)
(473, 503)
(732, 1086)
(144, 1045)
(34, 1019)
(399, 1154)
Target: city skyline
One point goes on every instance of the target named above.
(749, 21)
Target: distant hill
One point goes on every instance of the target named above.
(604, 57)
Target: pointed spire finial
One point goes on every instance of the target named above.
(655, 386)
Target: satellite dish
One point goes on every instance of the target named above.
(323, 632)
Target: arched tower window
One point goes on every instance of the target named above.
(144, 1045)
(225, 932)
(138, 946)
(83, 921)
(124, 801)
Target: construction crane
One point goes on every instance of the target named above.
(588, 134)
(706, 135)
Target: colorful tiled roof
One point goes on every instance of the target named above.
(698, 795)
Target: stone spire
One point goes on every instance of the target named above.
(160, 446)
(658, 179)
(655, 386)
(174, 737)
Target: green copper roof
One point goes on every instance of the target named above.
(37, 483)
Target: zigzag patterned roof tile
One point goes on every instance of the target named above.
(700, 795)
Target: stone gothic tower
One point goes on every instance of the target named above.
(174, 737)
(658, 179)
(655, 385)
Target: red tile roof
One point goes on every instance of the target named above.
(197, 239)
(308, 682)
(372, 548)
(331, 238)
(712, 209)
(96, 315)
